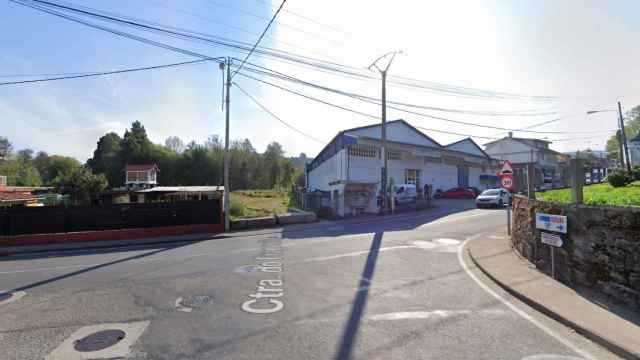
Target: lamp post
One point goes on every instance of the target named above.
(622, 136)
(383, 150)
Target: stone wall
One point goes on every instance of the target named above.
(601, 249)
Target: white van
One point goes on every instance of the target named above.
(405, 193)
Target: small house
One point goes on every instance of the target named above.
(143, 176)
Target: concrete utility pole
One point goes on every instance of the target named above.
(383, 150)
(623, 135)
(227, 188)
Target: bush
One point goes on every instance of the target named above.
(237, 208)
(635, 171)
(619, 178)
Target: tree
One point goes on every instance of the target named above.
(631, 128)
(107, 158)
(5, 148)
(53, 166)
(20, 173)
(81, 184)
(25, 155)
(136, 146)
(174, 143)
(213, 142)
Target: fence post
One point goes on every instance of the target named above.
(577, 181)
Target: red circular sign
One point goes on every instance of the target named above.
(507, 181)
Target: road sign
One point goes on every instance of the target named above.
(507, 181)
(506, 168)
(551, 239)
(557, 223)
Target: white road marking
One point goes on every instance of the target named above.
(523, 314)
(121, 349)
(180, 307)
(439, 245)
(15, 296)
(403, 315)
(550, 357)
(351, 254)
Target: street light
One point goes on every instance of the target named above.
(622, 136)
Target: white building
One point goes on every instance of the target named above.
(349, 167)
(549, 164)
(634, 150)
(145, 175)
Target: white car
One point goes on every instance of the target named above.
(405, 193)
(493, 197)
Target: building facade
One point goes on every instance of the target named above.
(550, 165)
(349, 167)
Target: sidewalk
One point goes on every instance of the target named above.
(611, 326)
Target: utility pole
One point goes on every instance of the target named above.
(383, 150)
(623, 135)
(227, 188)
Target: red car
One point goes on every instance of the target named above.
(459, 193)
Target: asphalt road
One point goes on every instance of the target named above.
(398, 287)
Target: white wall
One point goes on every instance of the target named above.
(466, 146)
(440, 176)
(511, 150)
(333, 169)
(396, 131)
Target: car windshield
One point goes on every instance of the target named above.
(491, 192)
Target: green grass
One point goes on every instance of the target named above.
(598, 194)
(257, 203)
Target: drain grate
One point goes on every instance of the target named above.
(99, 340)
(5, 296)
(196, 300)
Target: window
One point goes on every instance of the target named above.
(412, 176)
(363, 151)
(394, 155)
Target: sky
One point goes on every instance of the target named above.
(582, 53)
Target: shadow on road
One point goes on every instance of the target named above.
(350, 333)
(380, 223)
(95, 267)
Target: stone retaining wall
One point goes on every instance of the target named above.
(601, 249)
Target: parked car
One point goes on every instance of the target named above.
(475, 190)
(405, 193)
(459, 193)
(493, 197)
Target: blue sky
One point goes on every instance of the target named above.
(582, 51)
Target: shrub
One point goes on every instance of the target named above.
(237, 208)
(635, 171)
(619, 178)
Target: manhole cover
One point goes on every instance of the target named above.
(99, 340)
(5, 296)
(196, 300)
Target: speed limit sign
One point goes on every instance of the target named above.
(507, 181)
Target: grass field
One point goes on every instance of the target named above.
(258, 203)
(598, 194)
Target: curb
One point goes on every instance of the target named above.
(610, 345)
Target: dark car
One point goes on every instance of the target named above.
(459, 193)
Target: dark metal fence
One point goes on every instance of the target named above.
(47, 220)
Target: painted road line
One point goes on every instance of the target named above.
(511, 306)
(351, 254)
(11, 296)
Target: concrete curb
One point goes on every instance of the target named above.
(591, 335)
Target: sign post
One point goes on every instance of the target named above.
(556, 223)
(506, 181)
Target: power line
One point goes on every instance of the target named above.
(107, 72)
(450, 90)
(277, 117)
(273, 18)
(367, 99)
(116, 32)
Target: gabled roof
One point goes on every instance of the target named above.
(142, 167)
(521, 140)
(469, 140)
(398, 121)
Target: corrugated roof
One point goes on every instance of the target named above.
(141, 167)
